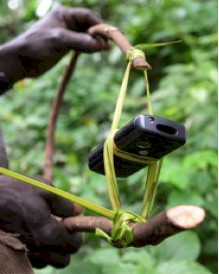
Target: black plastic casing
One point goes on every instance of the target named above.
(146, 135)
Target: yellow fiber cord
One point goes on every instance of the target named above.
(120, 100)
(110, 149)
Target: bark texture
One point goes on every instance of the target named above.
(151, 232)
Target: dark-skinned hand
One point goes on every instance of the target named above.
(47, 41)
(29, 212)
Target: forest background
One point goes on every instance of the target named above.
(184, 88)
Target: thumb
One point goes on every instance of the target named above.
(63, 208)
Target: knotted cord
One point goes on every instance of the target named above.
(121, 233)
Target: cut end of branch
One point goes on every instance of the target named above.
(186, 217)
(141, 64)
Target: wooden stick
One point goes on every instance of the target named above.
(117, 36)
(49, 148)
(152, 232)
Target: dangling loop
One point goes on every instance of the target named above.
(110, 150)
(109, 169)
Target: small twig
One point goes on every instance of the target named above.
(153, 231)
(117, 36)
(49, 148)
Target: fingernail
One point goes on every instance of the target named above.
(78, 209)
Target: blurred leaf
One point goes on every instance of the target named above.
(211, 203)
(139, 257)
(81, 267)
(184, 246)
(201, 159)
(175, 173)
(61, 180)
(105, 256)
(182, 267)
(119, 268)
(188, 197)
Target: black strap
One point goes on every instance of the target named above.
(3, 154)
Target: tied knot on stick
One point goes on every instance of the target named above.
(121, 233)
(133, 53)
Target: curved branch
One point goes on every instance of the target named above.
(153, 231)
(49, 148)
(117, 36)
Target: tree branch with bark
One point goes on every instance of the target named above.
(152, 232)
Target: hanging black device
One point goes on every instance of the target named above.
(149, 136)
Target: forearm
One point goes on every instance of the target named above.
(11, 69)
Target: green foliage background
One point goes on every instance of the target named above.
(184, 88)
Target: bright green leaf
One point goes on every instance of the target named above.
(118, 268)
(105, 256)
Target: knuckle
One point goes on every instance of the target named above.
(95, 45)
(86, 44)
(56, 35)
(87, 13)
(82, 14)
(82, 11)
(48, 234)
(56, 10)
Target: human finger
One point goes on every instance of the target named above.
(84, 42)
(53, 234)
(63, 208)
(80, 19)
